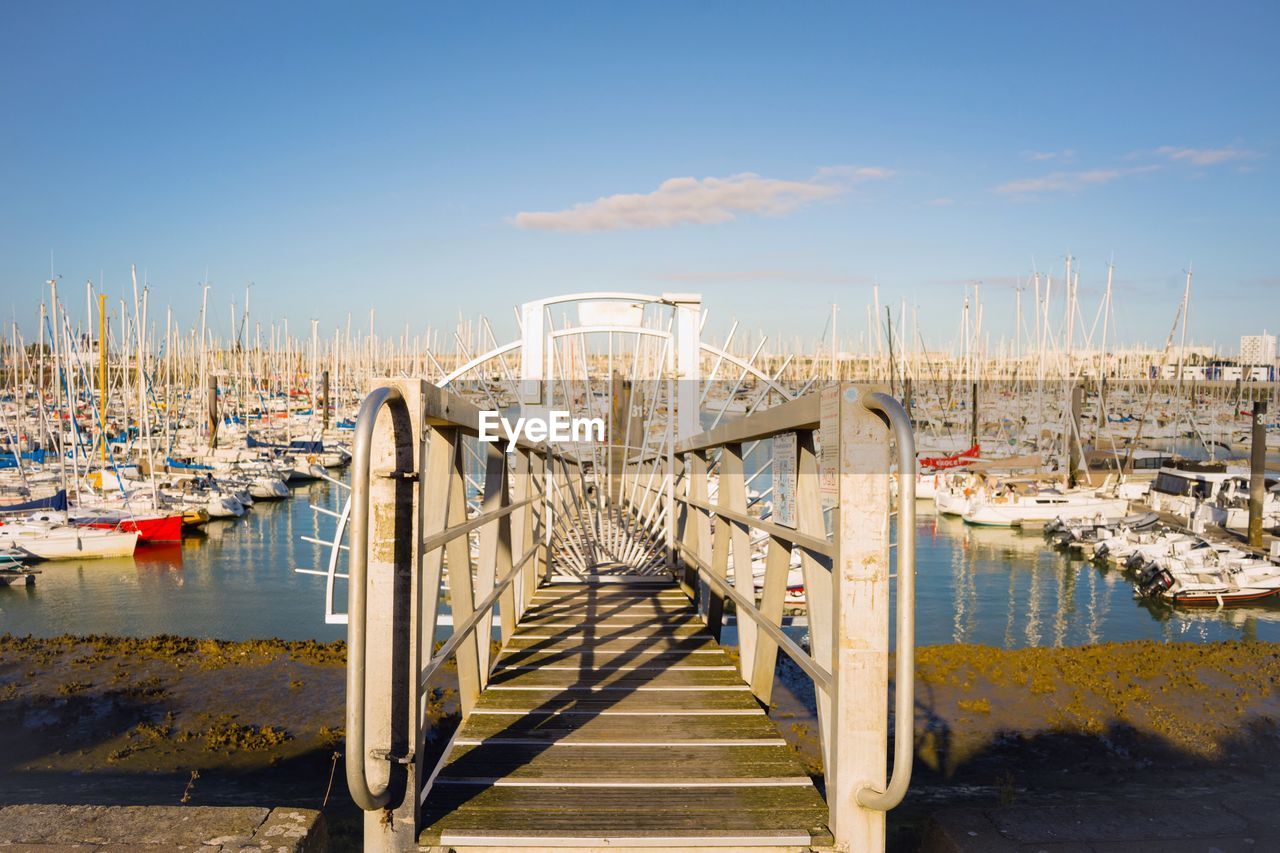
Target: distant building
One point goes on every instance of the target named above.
(1258, 349)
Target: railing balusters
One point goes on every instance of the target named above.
(546, 520)
(462, 599)
(733, 491)
(491, 544)
(846, 586)
(765, 660)
(818, 582)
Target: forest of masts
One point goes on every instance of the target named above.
(1054, 339)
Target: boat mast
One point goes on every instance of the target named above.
(204, 304)
(103, 390)
(144, 415)
(1186, 309)
(57, 370)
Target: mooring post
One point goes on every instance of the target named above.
(213, 411)
(1257, 471)
(973, 414)
(1075, 448)
(1101, 421)
(324, 397)
(860, 622)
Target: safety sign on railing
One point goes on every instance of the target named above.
(829, 435)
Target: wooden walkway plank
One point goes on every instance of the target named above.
(658, 763)
(613, 720)
(652, 678)
(648, 702)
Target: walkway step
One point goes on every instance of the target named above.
(567, 728)
(595, 658)
(611, 631)
(626, 763)
(613, 702)
(560, 678)
(617, 643)
(460, 816)
(614, 721)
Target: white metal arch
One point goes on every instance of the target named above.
(747, 366)
(479, 360)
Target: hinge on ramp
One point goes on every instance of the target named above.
(397, 475)
(386, 755)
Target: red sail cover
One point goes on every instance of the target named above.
(958, 460)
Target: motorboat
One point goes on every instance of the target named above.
(1028, 502)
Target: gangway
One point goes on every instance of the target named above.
(589, 588)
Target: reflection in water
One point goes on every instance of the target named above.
(232, 580)
(999, 587)
(235, 580)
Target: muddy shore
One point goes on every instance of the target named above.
(171, 720)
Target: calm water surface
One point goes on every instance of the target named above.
(234, 581)
(237, 581)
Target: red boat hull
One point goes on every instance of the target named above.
(1215, 601)
(166, 528)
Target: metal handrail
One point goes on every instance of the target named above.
(807, 542)
(357, 603)
(904, 679)
(821, 677)
(468, 626)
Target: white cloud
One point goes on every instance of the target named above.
(940, 202)
(1069, 181)
(1205, 156)
(856, 174)
(1040, 156)
(684, 201)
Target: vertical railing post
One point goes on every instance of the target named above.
(384, 595)
(733, 496)
(818, 581)
(689, 528)
(523, 487)
(773, 595)
(441, 447)
(490, 548)
(495, 551)
(688, 399)
(542, 521)
(721, 542)
(462, 597)
(860, 640)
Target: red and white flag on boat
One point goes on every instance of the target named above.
(958, 460)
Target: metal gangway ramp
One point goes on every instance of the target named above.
(587, 586)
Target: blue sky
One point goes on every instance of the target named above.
(347, 158)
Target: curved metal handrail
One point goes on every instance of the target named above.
(904, 679)
(357, 603)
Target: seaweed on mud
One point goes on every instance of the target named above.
(225, 734)
(94, 649)
(142, 736)
(331, 737)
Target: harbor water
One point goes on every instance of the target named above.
(236, 581)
